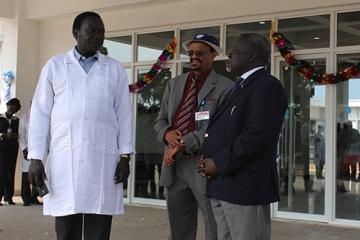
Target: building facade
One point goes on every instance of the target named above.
(319, 150)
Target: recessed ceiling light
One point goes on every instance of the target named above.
(316, 38)
(262, 22)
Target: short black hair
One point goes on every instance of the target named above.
(259, 44)
(79, 19)
(14, 102)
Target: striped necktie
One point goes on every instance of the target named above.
(186, 111)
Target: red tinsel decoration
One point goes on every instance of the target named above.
(167, 53)
(306, 70)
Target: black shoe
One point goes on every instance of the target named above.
(26, 204)
(11, 202)
(1, 204)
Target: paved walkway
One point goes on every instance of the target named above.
(143, 223)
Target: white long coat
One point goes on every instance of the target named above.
(23, 137)
(88, 119)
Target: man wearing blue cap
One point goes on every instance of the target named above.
(188, 103)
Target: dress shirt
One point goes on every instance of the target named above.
(86, 62)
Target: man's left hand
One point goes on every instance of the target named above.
(207, 168)
(122, 171)
(169, 155)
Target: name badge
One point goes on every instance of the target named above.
(204, 115)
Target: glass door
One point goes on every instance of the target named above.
(347, 195)
(301, 161)
(149, 151)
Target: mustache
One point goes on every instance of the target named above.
(193, 59)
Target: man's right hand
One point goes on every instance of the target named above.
(174, 139)
(37, 172)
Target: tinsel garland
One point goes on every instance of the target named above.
(8, 78)
(167, 53)
(306, 70)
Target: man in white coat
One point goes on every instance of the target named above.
(81, 131)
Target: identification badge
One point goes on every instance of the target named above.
(205, 115)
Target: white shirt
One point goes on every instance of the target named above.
(248, 73)
(23, 137)
(88, 117)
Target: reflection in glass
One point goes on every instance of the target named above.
(149, 150)
(188, 34)
(119, 48)
(348, 143)
(235, 30)
(151, 45)
(302, 144)
(306, 32)
(348, 29)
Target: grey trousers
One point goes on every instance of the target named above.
(242, 222)
(183, 201)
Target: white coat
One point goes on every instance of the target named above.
(89, 120)
(23, 137)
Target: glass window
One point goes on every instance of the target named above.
(151, 45)
(348, 29)
(188, 34)
(233, 31)
(307, 32)
(348, 143)
(119, 48)
(149, 150)
(302, 144)
(129, 73)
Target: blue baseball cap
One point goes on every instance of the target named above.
(205, 38)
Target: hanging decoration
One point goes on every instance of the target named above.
(167, 53)
(8, 77)
(306, 70)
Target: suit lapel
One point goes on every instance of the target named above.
(179, 89)
(209, 84)
(230, 99)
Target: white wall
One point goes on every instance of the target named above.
(7, 8)
(40, 9)
(55, 32)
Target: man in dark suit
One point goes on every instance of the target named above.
(9, 145)
(240, 145)
(189, 101)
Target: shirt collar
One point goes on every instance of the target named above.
(248, 73)
(202, 75)
(80, 57)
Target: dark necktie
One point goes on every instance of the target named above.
(236, 86)
(186, 111)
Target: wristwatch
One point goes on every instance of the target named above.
(126, 156)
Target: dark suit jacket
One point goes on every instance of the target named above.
(4, 125)
(242, 140)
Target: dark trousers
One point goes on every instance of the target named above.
(28, 193)
(96, 227)
(3, 177)
(8, 156)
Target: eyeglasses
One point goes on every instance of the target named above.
(197, 53)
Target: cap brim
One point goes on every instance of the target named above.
(186, 44)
